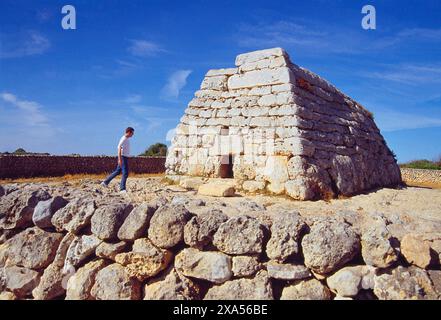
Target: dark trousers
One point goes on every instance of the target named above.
(124, 169)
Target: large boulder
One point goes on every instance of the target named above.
(17, 207)
(217, 189)
(211, 266)
(44, 211)
(240, 235)
(136, 224)
(286, 230)
(376, 247)
(114, 283)
(287, 271)
(81, 283)
(171, 286)
(53, 281)
(306, 290)
(109, 250)
(199, 231)
(108, 219)
(80, 249)
(416, 250)
(75, 215)
(32, 248)
(145, 261)
(347, 282)
(167, 225)
(21, 281)
(329, 245)
(257, 288)
(245, 266)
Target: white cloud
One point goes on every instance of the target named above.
(133, 98)
(389, 120)
(32, 114)
(411, 74)
(175, 83)
(21, 45)
(143, 48)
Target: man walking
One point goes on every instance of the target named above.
(123, 157)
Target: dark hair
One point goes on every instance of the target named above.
(130, 129)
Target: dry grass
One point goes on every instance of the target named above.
(74, 177)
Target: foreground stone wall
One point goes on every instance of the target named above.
(423, 176)
(52, 166)
(66, 243)
(285, 129)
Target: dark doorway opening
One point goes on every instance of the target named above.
(226, 167)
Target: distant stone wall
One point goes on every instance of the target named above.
(423, 176)
(12, 167)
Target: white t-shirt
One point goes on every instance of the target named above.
(124, 143)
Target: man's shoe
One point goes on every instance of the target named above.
(123, 192)
(103, 184)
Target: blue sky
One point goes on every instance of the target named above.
(139, 62)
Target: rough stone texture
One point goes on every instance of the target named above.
(16, 208)
(145, 261)
(110, 250)
(376, 247)
(21, 281)
(287, 271)
(80, 249)
(329, 245)
(416, 250)
(199, 231)
(211, 266)
(75, 215)
(257, 288)
(284, 128)
(108, 219)
(171, 286)
(114, 283)
(245, 266)
(286, 229)
(32, 248)
(167, 225)
(240, 235)
(136, 224)
(347, 282)
(6, 295)
(306, 290)
(216, 189)
(44, 211)
(435, 277)
(81, 283)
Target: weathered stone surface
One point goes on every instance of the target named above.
(259, 55)
(416, 250)
(286, 230)
(211, 266)
(108, 219)
(2, 191)
(376, 248)
(435, 277)
(171, 286)
(199, 231)
(21, 281)
(216, 189)
(253, 186)
(240, 235)
(16, 208)
(167, 225)
(329, 245)
(6, 295)
(44, 211)
(110, 250)
(145, 261)
(136, 224)
(81, 283)
(257, 78)
(75, 215)
(257, 288)
(114, 283)
(285, 271)
(80, 249)
(32, 248)
(400, 284)
(245, 266)
(306, 290)
(191, 183)
(348, 281)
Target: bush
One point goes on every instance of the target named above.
(155, 150)
(423, 164)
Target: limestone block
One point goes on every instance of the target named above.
(221, 72)
(215, 83)
(260, 91)
(267, 101)
(261, 78)
(259, 55)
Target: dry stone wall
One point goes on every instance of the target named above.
(283, 129)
